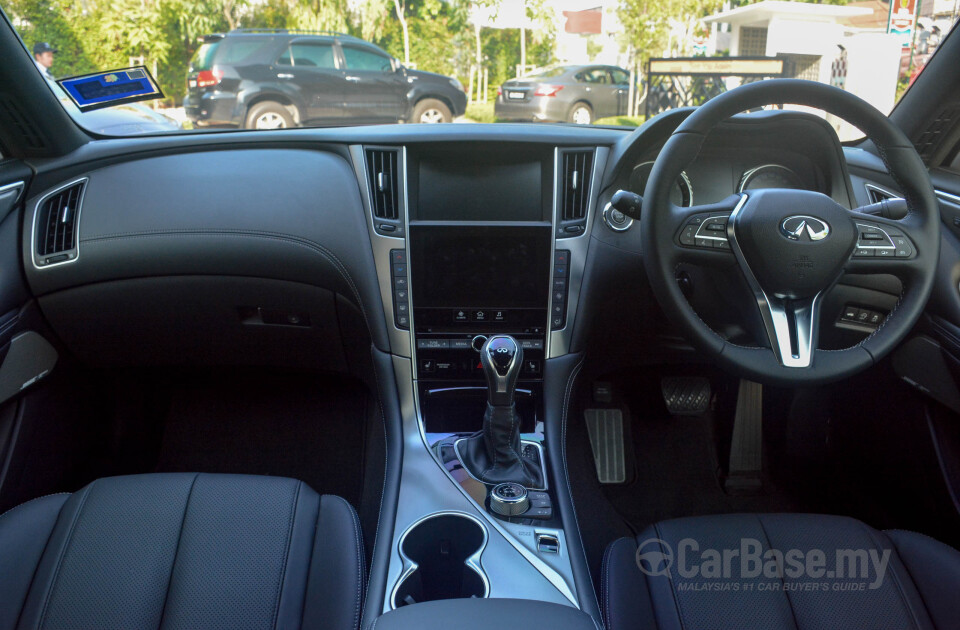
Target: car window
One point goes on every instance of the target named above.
(593, 75)
(203, 58)
(548, 73)
(620, 77)
(309, 56)
(366, 59)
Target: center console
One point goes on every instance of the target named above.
(479, 266)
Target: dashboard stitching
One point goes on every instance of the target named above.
(276, 236)
(566, 473)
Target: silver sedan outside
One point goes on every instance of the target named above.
(577, 94)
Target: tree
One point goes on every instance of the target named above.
(401, 7)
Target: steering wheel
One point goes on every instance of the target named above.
(791, 245)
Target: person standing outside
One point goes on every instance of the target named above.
(43, 57)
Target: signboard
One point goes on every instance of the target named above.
(103, 89)
(723, 66)
(902, 19)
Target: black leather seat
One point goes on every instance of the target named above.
(182, 551)
(917, 587)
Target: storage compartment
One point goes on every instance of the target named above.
(441, 557)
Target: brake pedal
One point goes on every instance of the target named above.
(686, 395)
(605, 427)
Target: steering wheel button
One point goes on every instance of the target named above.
(871, 236)
(863, 252)
(721, 244)
(704, 242)
(886, 252)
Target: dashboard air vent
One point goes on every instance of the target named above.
(383, 173)
(56, 231)
(877, 194)
(576, 170)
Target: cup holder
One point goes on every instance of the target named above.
(441, 560)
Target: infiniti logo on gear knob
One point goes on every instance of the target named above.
(799, 228)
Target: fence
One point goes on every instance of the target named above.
(691, 81)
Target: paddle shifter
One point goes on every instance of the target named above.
(493, 455)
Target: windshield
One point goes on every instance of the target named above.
(128, 67)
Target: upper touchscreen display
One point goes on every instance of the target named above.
(480, 190)
(488, 266)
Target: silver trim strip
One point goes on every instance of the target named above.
(879, 189)
(381, 246)
(948, 197)
(472, 561)
(774, 310)
(34, 257)
(13, 186)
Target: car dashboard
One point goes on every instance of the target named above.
(322, 248)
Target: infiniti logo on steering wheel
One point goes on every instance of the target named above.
(799, 228)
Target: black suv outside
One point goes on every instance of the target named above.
(269, 79)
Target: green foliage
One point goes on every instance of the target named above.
(481, 112)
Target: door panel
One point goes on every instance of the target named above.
(375, 91)
(312, 69)
(602, 94)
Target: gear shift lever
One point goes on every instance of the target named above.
(501, 357)
(493, 455)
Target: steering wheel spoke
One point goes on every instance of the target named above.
(791, 326)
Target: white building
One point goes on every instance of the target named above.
(817, 43)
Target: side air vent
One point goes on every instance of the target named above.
(877, 194)
(576, 168)
(383, 174)
(56, 225)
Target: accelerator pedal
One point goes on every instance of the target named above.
(686, 395)
(605, 427)
(746, 446)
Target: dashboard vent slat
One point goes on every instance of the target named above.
(382, 171)
(57, 222)
(576, 184)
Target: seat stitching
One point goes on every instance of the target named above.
(607, 612)
(63, 552)
(566, 473)
(896, 579)
(673, 593)
(783, 589)
(37, 568)
(383, 487)
(356, 527)
(25, 503)
(176, 550)
(286, 555)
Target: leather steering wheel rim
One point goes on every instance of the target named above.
(662, 255)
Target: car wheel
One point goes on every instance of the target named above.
(430, 110)
(580, 114)
(268, 115)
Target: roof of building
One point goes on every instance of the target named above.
(763, 12)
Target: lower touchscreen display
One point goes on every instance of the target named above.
(469, 266)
